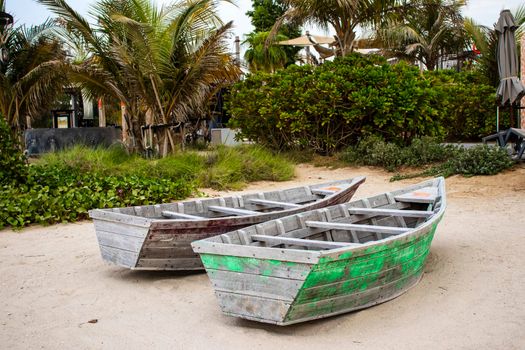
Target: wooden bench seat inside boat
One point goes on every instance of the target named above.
(232, 211)
(352, 228)
(174, 215)
(273, 240)
(265, 202)
(423, 195)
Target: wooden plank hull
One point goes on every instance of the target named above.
(290, 289)
(137, 238)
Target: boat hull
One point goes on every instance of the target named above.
(298, 292)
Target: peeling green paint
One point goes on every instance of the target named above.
(360, 283)
(229, 263)
(362, 265)
(332, 282)
(359, 299)
(264, 267)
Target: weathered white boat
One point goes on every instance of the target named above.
(328, 261)
(158, 237)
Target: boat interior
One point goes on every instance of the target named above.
(344, 225)
(241, 205)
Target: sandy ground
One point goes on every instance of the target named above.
(53, 281)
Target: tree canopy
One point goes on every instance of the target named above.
(426, 30)
(263, 16)
(345, 16)
(33, 74)
(164, 62)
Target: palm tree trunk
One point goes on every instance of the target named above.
(101, 113)
(164, 119)
(125, 126)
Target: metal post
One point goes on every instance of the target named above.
(522, 59)
(497, 119)
(237, 51)
(73, 122)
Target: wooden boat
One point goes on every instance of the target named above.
(158, 237)
(325, 262)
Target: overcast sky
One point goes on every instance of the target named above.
(29, 12)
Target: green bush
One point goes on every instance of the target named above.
(116, 161)
(329, 107)
(444, 160)
(467, 103)
(478, 160)
(13, 167)
(373, 151)
(62, 195)
(376, 152)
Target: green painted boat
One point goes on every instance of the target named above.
(328, 261)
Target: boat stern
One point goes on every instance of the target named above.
(120, 237)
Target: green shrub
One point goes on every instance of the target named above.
(116, 161)
(62, 195)
(426, 150)
(478, 160)
(467, 103)
(13, 167)
(446, 160)
(376, 152)
(329, 107)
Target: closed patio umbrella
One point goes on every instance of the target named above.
(510, 88)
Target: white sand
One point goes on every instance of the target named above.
(472, 296)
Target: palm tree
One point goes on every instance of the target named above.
(162, 62)
(345, 16)
(263, 16)
(260, 57)
(426, 31)
(32, 77)
(486, 42)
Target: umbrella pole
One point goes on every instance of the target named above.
(497, 119)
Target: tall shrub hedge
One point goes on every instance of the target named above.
(331, 106)
(334, 105)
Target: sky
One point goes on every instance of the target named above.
(29, 12)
